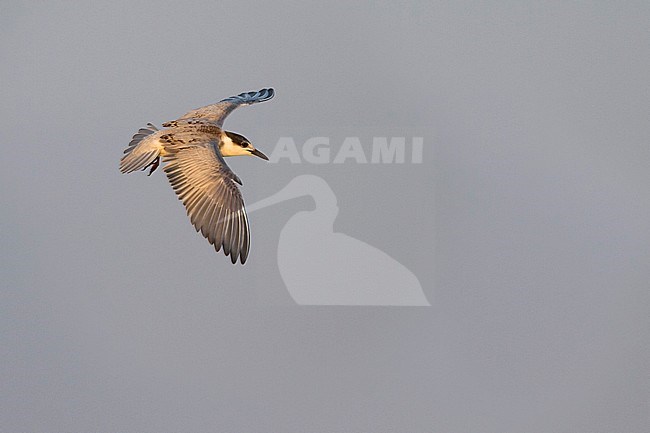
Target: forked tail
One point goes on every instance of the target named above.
(142, 150)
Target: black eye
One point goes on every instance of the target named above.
(245, 144)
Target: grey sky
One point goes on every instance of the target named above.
(527, 224)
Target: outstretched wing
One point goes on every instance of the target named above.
(217, 113)
(206, 186)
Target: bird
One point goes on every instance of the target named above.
(192, 149)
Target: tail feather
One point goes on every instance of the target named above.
(140, 152)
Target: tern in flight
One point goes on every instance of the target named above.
(192, 150)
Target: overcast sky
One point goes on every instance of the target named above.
(527, 223)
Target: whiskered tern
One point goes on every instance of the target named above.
(193, 148)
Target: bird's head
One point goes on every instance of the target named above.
(233, 144)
